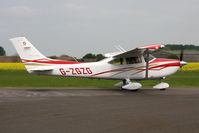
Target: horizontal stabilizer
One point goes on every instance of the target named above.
(41, 69)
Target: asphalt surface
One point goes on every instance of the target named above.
(80, 110)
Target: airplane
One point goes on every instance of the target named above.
(137, 64)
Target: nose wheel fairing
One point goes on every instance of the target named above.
(161, 86)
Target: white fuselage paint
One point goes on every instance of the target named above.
(105, 70)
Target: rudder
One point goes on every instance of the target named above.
(29, 55)
(26, 50)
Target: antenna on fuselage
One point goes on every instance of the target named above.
(181, 55)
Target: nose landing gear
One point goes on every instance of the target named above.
(161, 85)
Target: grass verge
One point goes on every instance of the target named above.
(23, 79)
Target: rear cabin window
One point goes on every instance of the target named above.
(119, 61)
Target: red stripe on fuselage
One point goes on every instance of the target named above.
(172, 63)
(166, 65)
(47, 61)
(115, 70)
(158, 60)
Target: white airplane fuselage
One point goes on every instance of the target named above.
(158, 68)
(136, 64)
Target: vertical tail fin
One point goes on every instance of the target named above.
(25, 49)
(27, 52)
(32, 58)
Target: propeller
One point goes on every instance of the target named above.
(147, 63)
(181, 53)
(182, 63)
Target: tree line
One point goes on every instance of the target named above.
(181, 46)
(96, 57)
(101, 56)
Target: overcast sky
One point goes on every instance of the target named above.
(76, 27)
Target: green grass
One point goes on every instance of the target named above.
(23, 79)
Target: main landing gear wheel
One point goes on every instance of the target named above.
(134, 90)
(126, 84)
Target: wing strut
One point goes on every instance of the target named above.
(147, 63)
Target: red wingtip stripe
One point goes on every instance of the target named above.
(153, 46)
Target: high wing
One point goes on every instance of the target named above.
(112, 54)
(152, 47)
(130, 53)
(139, 50)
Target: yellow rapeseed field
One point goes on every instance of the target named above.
(192, 66)
(12, 66)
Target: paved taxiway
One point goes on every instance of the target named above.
(80, 110)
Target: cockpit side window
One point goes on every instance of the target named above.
(133, 60)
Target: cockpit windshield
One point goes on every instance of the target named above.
(151, 57)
